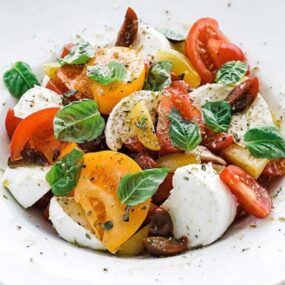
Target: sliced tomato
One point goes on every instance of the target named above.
(36, 131)
(196, 47)
(219, 141)
(51, 86)
(145, 161)
(275, 167)
(163, 191)
(96, 191)
(208, 48)
(134, 145)
(11, 123)
(163, 124)
(66, 49)
(228, 52)
(189, 110)
(253, 198)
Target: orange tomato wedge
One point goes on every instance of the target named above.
(107, 96)
(96, 191)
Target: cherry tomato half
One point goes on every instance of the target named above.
(275, 167)
(218, 141)
(253, 198)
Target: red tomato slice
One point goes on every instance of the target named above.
(11, 123)
(189, 110)
(163, 191)
(134, 145)
(253, 198)
(66, 49)
(228, 52)
(162, 130)
(51, 86)
(37, 131)
(196, 47)
(275, 167)
(218, 141)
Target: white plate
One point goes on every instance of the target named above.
(31, 253)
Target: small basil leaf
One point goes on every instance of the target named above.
(184, 134)
(158, 76)
(79, 54)
(19, 79)
(64, 174)
(137, 187)
(78, 122)
(217, 115)
(231, 72)
(265, 142)
(106, 74)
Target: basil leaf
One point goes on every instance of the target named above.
(106, 74)
(158, 76)
(184, 134)
(79, 54)
(78, 122)
(265, 142)
(231, 72)
(64, 174)
(217, 115)
(19, 79)
(136, 188)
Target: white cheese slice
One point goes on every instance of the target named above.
(27, 184)
(200, 205)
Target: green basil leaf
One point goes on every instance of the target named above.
(64, 174)
(231, 72)
(79, 54)
(78, 122)
(108, 73)
(19, 79)
(265, 142)
(137, 187)
(158, 76)
(217, 115)
(184, 134)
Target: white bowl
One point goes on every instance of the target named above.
(30, 251)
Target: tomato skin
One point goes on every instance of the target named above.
(66, 49)
(163, 124)
(145, 161)
(218, 142)
(243, 95)
(228, 52)
(275, 168)
(252, 197)
(196, 48)
(163, 191)
(38, 122)
(51, 86)
(181, 100)
(11, 123)
(134, 145)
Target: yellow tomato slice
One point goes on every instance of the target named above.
(175, 160)
(143, 126)
(96, 192)
(180, 65)
(107, 96)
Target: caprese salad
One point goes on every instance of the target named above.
(155, 143)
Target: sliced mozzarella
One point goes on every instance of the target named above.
(36, 99)
(148, 41)
(200, 204)
(118, 127)
(69, 220)
(27, 184)
(258, 114)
